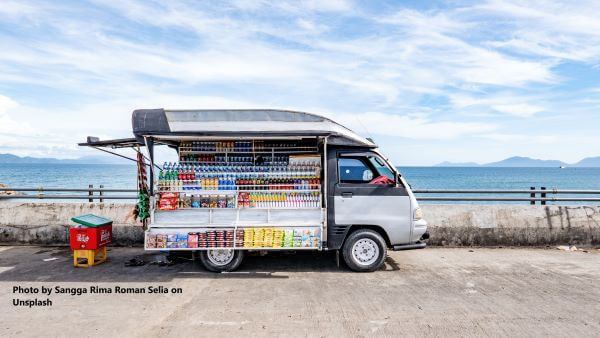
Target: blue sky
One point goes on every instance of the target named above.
(429, 81)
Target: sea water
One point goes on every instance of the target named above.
(125, 176)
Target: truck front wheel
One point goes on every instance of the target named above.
(364, 250)
(221, 260)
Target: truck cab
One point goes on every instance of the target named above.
(268, 180)
(366, 218)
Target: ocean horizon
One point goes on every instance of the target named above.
(123, 176)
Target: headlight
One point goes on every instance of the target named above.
(418, 214)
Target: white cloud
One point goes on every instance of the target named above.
(521, 138)
(412, 127)
(8, 125)
(16, 8)
(521, 110)
(493, 59)
(508, 103)
(562, 30)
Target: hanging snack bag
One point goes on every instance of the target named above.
(222, 201)
(288, 238)
(151, 241)
(182, 240)
(161, 241)
(248, 237)
(204, 202)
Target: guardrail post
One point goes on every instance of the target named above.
(101, 193)
(532, 195)
(543, 196)
(91, 193)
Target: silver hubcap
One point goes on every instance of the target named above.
(220, 257)
(365, 251)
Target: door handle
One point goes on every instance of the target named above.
(346, 195)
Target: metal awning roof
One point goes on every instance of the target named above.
(115, 144)
(167, 126)
(161, 123)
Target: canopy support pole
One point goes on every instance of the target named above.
(150, 146)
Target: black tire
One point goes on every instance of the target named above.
(211, 265)
(372, 245)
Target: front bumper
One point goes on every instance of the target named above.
(419, 229)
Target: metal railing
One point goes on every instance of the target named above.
(532, 195)
(87, 193)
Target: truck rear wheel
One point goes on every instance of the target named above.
(364, 250)
(221, 260)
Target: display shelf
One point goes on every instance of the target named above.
(244, 163)
(203, 192)
(307, 150)
(278, 185)
(245, 224)
(235, 248)
(233, 192)
(281, 208)
(269, 173)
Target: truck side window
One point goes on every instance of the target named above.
(353, 170)
(382, 167)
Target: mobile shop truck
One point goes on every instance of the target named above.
(263, 180)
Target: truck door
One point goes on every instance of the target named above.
(358, 202)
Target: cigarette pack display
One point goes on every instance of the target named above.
(172, 238)
(161, 238)
(161, 245)
(171, 245)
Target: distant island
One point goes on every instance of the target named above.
(10, 158)
(515, 161)
(519, 161)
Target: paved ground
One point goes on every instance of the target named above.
(433, 292)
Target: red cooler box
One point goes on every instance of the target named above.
(93, 232)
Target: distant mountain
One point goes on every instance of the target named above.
(10, 158)
(588, 162)
(457, 164)
(518, 161)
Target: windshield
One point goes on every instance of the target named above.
(382, 167)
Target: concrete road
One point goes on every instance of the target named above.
(431, 292)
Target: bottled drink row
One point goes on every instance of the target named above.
(244, 146)
(205, 177)
(233, 160)
(218, 146)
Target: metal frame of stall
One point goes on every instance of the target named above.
(237, 223)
